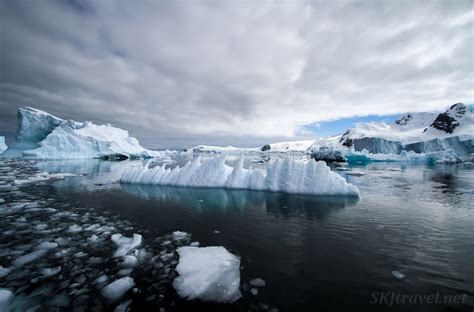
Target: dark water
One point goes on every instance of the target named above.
(314, 253)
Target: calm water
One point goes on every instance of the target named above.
(313, 252)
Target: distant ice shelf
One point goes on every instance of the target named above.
(281, 175)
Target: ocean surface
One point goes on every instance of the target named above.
(411, 233)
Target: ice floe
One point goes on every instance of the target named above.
(118, 288)
(126, 244)
(208, 273)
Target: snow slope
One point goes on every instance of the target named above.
(281, 175)
(48, 137)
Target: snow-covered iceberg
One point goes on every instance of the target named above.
(44, 136)
(3, 145)
(281, 175)
(208, 273)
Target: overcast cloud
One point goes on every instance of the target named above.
(248, 69)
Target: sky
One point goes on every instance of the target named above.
(182, 73)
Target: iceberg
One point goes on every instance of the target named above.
(208, 273)
(281, 175)
(3, 146)
(43, 136)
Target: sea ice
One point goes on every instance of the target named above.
(282, 175)
(257, 282)
(4, 271)
(178, 235)
(46, 272)
(208, 273)
(74, 228)
(5, 295)
(126, 244)
(398, 274)
(117, 288)
(32, 256)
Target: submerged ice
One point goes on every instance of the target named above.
(282, 175)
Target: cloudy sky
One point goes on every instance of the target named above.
(237, 72)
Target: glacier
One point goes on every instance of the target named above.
(41, 135)
(281, 175)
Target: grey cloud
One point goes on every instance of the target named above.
(232, 70)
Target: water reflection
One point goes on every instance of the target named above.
(279, 204)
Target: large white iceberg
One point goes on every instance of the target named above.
(281, 175)
(208, 273)
(44, 136)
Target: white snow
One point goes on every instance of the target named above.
(208, 273)
(281, 175)
(293, 146)
(223, 149)
(117, 288)
(125, 244)
(3, 146)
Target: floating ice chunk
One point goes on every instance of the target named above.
(2, 201)
(93, 239)
(208, 273)
(5, 296)
(257, 282)
(32, 256)
(398, 274)
(282, 175)
(102, 279)
(196, 244)
(254, 291)
(178, 235)
(118, 288)
(126, 244)
(129, 261)
(4, 271)
(46, 245)
(47, 272)
(74, 228)
(123, 306)
(60, 300)
(92, 227)
(217, 232)
(356, 173)
(40, 227)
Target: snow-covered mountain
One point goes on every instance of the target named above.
(419, 132)
(44, 136)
